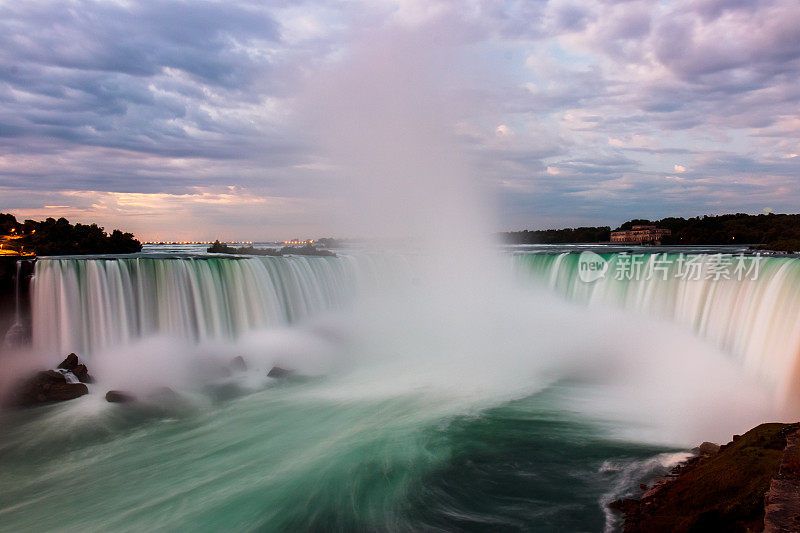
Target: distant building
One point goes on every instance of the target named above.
(639, 235)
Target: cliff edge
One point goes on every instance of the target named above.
(750, 484)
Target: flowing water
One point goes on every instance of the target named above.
(85, 305)
(525, 403)
(753, 315)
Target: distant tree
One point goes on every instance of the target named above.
(59, 237)
(8, 223)
(219, 248)
(559, 236)
(635, 222)
(771, 231)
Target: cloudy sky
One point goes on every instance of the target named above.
(190, 120)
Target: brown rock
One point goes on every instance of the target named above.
(72, 364)
(116, 396)
(707, 448)
(82, 373)
(782, 501)
(45, 387)
(278, 372)
(722, 491)
(69, 363)
(624, 505)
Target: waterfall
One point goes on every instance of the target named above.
(754, 317)
(83, 305)
(18, 332)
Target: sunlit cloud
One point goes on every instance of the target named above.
(204, 213)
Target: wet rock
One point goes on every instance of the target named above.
(116, 396)
(70, 362)
(238, 364)
(278, 372)
(82, 373)
(46, 387)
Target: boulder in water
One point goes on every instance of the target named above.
(116, 396)
(278, 372)
(70, 362)
(238, 364)
(46, 387)
(82, 373)
(73, 365)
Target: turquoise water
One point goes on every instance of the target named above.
(282, 460)
(449, 396)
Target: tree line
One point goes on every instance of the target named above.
(764, 231)
(59, 237)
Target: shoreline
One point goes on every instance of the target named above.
(750, 484)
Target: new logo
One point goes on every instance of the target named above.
(591, 267)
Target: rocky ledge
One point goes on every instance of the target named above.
(749, 484)
(782, 513)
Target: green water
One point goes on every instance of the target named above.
(455, 401)
(284, 459)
